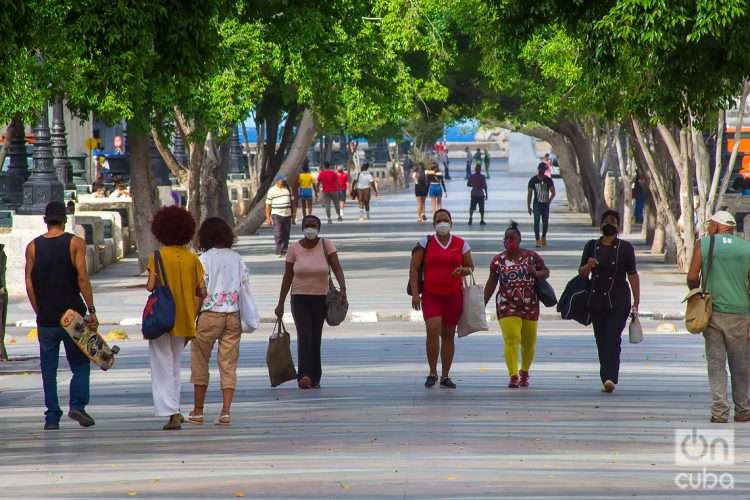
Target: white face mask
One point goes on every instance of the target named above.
(310, 233)
(443, 228)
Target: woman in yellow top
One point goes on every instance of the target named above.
(174, 227)
(308, 190)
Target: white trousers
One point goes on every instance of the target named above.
(164, 354)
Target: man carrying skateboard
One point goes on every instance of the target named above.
(56, 277)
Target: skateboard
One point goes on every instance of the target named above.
(88, 341)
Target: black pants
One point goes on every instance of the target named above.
(468, 169)
(608, 328)
(476, 201)
(282, 227)
(541, 213)
(309, 312)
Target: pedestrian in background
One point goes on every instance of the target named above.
(478, 184)
(728, 331)
(437, 188)
(343, 177)
(445, 161)
(408, 166)
(542, 191)
(308, 265)
(308, 190)
(443, 259)
(219, 320)
(487, 162)
(56, 278)
(279, 214)
(610, 262)
(421, 188)
(469, 158)
(514, 272)
(366, 185)
(329, 182)
(174, 228)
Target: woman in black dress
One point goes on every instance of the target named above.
(610, 262)
(420, 190)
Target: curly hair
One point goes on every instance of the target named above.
(173, 226)
(215, 233)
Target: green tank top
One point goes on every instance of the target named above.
(728, 281)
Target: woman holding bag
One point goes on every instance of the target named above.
(515, 271)
(610, 262)
(308, 265)
(438, 264)
(174, 228)
(227, 310)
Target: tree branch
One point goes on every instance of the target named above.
(177, 169)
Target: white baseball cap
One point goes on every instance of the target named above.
(724, 218)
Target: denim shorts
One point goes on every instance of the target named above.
(436, 191)
(306, 193)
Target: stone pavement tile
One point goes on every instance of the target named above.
(373, 431)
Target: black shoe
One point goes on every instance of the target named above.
(51, 426)
(82, 418)
(430, 381)
(470, 222)
(447, 383)
(482, 223)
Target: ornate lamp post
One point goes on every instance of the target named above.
(43, 186)
(62, 166)
(236, 158)
(18, 166)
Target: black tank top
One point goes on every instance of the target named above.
(55, 280)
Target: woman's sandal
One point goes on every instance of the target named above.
(225, 419)
(195, 418)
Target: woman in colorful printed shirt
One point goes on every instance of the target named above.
(516, 271)
(219, 320)
(443, 259)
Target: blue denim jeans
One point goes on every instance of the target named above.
(49, 355)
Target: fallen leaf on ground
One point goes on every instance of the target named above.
(239, 494)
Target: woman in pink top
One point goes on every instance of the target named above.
(306, 274)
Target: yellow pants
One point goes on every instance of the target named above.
(517, 333)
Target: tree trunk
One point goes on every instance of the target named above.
(303, 139)
(592, 183)
(568, 166)
(145, 201)
(686, 226)
(662, 195)
(736, 147)
(624, 161)
(213, 184)
(714, 189)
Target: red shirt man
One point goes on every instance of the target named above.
(329, 180)
(343, 179)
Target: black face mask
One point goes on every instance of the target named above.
(609, 230)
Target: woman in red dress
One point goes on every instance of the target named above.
(441, 260)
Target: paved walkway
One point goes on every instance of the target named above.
(373, 431)
(375, 255)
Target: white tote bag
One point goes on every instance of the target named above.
(473, 317)
(249, 315)
(635, 332)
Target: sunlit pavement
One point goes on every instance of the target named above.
(373, 431)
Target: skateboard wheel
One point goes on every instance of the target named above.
(115, 349)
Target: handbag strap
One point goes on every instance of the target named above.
(279, 328)
(711, 244)
(161, 274)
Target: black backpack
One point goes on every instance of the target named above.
(574, 301)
